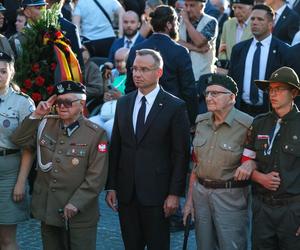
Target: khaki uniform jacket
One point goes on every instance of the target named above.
(219, 149)
(229, 37)
(5, 47)
(79, 168)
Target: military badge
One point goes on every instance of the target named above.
(75, 161)
(60, 88)
(102, 147)
(6, 123)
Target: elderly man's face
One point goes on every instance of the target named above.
(34, 12)
(193, 9)
(242, 11)
(281, 95)
(68, 107)
(218, 98)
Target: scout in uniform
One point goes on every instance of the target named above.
(14, 164)
(274, 143)
(218, 191)
(72, 163)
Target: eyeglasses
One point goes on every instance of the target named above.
(276, 90)
(215, 94)
(66, 102)
(142, 70)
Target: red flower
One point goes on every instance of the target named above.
(39, 81)
(58, 34)
(50, 89)
(27, 84)
(35, 68)
(36, 96)
(53, 66)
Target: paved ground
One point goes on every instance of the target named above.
(109, 237)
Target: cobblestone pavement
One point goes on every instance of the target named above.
(108, 237)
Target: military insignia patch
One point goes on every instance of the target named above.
(102, 147)
(75, 161)
(60, 88)
(6, 123)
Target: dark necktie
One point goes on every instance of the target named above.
(128, 44)
(255, 74)
(140, 122)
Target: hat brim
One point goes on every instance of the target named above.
(264, 84)
(34, 4)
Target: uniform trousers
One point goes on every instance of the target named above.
(144, 226)
(56, 238)
(274, 227)
(221, 217)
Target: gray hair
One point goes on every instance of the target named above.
(80, 96)
(158, 61)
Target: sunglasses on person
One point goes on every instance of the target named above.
(66, 102)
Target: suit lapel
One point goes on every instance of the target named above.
(155, 110)
(281, 20)
(271, 58)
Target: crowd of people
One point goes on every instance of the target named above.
(187, 98)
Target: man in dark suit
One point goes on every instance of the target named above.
(177, 78)
(286, 22)
(149, 157)
(256, 59)
(131, 36)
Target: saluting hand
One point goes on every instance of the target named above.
(44, 107)
(171, 204)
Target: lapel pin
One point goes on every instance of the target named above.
(284, 17)
(274, 51)
(160, 104)
(295, 137)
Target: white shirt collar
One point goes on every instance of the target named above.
(150, 97)
(266, 42)
(133, 39)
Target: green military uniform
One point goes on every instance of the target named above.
(72, 168)
(280, 207)
(218, 151)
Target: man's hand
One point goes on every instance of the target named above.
(171, 204)
(222, 48)
(188, 209)
(244, 171)
(70, 211)
(111, 200)
(270, 181)
(112, 94)
(44, 107)
(298, 231)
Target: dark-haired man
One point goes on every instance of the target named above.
(177, 78)
(274, 144)
(256, 58)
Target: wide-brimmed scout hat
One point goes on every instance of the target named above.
(282, 75)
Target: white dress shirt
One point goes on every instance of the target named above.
(150, 98)
(132, 39)
(240, 30)
(264, 54)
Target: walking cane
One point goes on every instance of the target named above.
(67, 228)
(186, 231)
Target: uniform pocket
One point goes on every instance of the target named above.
(47, 142)
(230, 153)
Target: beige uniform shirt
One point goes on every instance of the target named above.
(219, 149)
(79, 160)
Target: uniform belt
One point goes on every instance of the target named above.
(4, 152)
(275, 201)
(222, 184)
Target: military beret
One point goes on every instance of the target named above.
(248, 2)
(282, 75)
(222, 80)
(5, 57)
(2, 8)
(29, 3)
(66, 87)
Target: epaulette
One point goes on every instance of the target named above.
(202, 117)
(92, 125)
(244, 119)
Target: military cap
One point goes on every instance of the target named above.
(66, 87)
(248, 2)
(222, 80)
(203, 1)
(5, 57)
(2, 8)
(283, 75)
(29, 3)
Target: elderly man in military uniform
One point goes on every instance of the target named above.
(72, 168)
(274, 143)
(219, 184)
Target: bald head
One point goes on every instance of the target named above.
(120, 59)
(131, 23)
